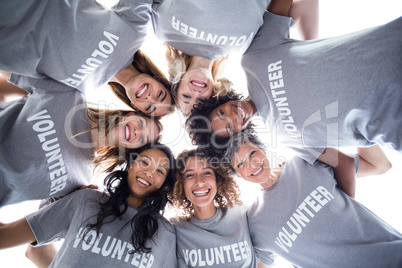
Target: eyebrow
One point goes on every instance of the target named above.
(164, 97)
(151, 160)
(153, 110)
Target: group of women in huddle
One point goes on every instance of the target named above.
(51, 139)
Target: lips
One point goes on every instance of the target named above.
(242, 113)
(143, 182)
(141, 90)
(127, 133)
(201, 192)
(199, 84)
(257, 172)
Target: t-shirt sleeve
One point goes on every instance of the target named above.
(43, 85)
(52, 222)
(308, 154)
(274, 31)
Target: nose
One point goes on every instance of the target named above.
(199, 179)
(150, 97)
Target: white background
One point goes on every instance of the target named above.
(381, 194)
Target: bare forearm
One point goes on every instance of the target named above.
(280, 7)
(16, 233)
(373, 161)
(344, 169)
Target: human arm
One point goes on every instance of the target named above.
(41, 256)
(344, 169)
(16, 233)
(280, 7)
(9, 91)
(373, 161)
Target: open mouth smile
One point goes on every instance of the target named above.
(201, 192)
(141, 90)
(143, 182)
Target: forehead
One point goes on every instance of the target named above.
(157, 156)
(243, 150)
(196, 163)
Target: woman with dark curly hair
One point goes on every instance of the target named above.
(209, 119)
(211, 224)
(121, 227)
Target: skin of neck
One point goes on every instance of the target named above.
(200, 63)
(98, 141)
(249, 101)
(125, 75)
(272, 179)
(204, 213)
(134, 202)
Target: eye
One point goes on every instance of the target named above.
(160, 171)
(147, 109)
(186, 96)
(240, 164)
(221, 112)
(160, 94)
(231, 128)
(142, 140)
(188, 176)
(141, 123)
(144, 162)
(252, 153)
(207, 173)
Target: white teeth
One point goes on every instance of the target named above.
(144, 182)
(127, 132)
(201, 192)
(243, 114)
(258, 171)
(144, 88)
(198, 84)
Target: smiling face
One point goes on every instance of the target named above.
(148, 95)
(146, 175)
(251, 163)
(195, 85)
(230, 118)
(200, 184)
(134, 131)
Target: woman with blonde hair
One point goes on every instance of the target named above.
(194, 78)
(211, 225)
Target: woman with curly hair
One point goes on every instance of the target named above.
(304, 212)
(124, 226)
(211, 224)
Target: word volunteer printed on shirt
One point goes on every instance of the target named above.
(217, 255)
(44, 127)
(105, 48)
(306, 211)
(214, 39)
(276, 84)
(112, 247)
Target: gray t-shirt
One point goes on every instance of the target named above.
(39, 157)
(208, 28)
(340, 91)
(67, 218)
(308, 220)
(79, 43)
(221, 241)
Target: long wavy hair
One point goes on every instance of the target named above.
(109, 157)
(228, 192)
(145, 223)
(178, 64)
(143, 64)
